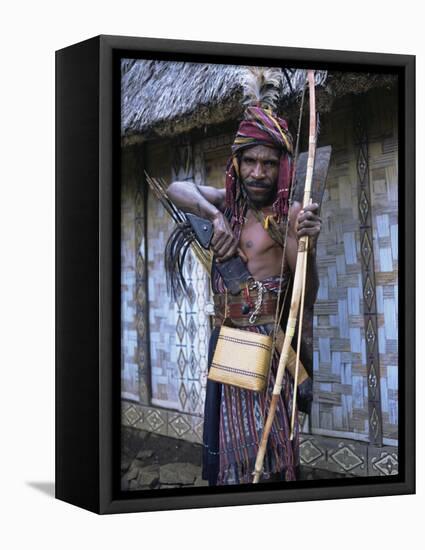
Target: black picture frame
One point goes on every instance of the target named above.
(88, 271)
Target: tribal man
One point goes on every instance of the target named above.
(256, 195)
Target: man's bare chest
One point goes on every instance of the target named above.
(255, 240)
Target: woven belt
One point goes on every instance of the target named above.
(239, 309)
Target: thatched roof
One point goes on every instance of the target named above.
(163, 98)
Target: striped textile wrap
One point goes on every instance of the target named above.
(234, 418)
(239, 311)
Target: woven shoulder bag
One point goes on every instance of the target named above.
(241, 358)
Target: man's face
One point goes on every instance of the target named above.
(259, 170)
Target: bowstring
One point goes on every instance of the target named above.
(280, 307)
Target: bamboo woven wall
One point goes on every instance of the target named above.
(383, 151)
(179, 331)
(341, 397)
(129, 363)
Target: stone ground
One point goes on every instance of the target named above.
(151, 461)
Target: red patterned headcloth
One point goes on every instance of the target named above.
(261, 127)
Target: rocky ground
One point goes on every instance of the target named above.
(151, 461)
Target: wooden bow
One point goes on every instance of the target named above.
(297, 299)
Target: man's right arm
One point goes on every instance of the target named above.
(207, 202)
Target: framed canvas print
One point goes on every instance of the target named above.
(235, 288)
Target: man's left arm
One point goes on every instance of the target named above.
(304, 221)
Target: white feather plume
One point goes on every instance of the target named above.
(262, 86)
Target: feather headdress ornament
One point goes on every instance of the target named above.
(262, 87)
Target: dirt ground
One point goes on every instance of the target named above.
(151, 461)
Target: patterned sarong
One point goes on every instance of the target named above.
(234, 420)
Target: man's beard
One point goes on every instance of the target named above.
(259, 200)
